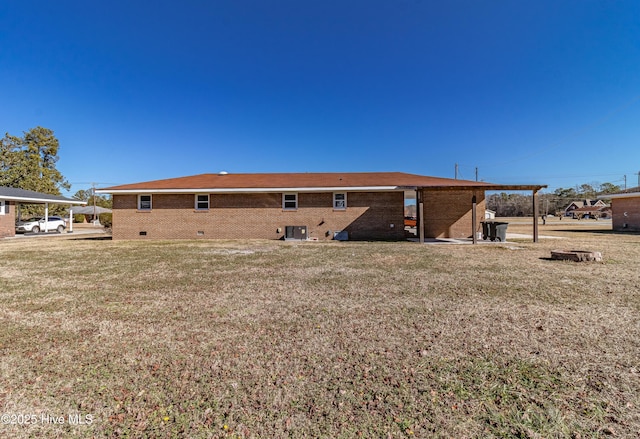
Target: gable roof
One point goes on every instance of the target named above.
(26, 196)
(586, 203)
(278, 182)
(592, 209)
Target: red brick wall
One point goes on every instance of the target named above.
(448, 213)
(8, 221)
(630, 206)
(233, 216)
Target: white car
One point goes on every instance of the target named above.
(37, 225)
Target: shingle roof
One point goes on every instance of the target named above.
(298, 180)
(23, 195)
(592, 209)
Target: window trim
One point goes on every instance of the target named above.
(197, 202)
(3, 203)
(284, 201)
(334, 201)
(140, 202)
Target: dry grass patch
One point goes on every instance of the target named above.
(271, 339)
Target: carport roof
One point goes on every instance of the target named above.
(90, 210)
(33, 197)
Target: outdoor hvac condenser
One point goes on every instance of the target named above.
(295, 232)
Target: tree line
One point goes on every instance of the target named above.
(514, 204)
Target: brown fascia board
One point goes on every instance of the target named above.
(620, 195)
(489, 187)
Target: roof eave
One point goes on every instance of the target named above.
(250, 190)
(41, 200)
(614, 196)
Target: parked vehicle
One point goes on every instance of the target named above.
(37, 225)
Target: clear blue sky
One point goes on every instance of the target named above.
(528, 91)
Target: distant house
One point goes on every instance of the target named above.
(625, 210)
(489, 214)
(11, 198)
(317, 206)
(578, 209)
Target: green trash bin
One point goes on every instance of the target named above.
(500, 231)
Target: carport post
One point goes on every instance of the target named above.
(535, 216)
(474, 219)
(46, 217)
(70, 219)
(420, 214)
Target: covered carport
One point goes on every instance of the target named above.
(444, 211)
(12, 198)
(91, 211)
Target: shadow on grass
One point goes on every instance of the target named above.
(94, 238)
(597, 231)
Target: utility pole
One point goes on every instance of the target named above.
(638, 179)
(456, 171)
(625, 182)
(477, 174)
(93, 195)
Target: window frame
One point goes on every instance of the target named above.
(140, 202)
(335, 207)
(3, 206)
(197, 202)
(285, 201)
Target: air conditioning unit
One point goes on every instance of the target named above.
(296, 233)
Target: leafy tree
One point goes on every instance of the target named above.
(91, 198)
(29, 162)
(586, 191)
(608, 188)
(569, 193)
(11, 161)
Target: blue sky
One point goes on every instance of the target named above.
(527, 91)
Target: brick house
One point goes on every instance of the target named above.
(11, 198)
(625, 210)
(583, 207)
(322, 206)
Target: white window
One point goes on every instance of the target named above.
(339, 200)
(202, 202)
(290, 201)
(144, 202)
(4, 207)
